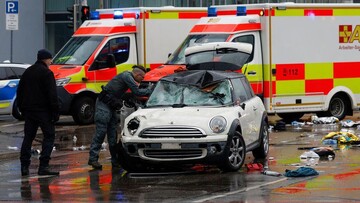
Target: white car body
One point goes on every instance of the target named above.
(196, 133)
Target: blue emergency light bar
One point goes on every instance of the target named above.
(212, 12)
(94, 15)
(118, 14)
(240, 11)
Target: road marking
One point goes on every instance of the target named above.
(239, 191)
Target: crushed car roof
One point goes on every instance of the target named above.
(201, 78)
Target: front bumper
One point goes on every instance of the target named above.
(209, 152)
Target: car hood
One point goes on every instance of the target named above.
(200, 116)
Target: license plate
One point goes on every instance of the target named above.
(170, 146)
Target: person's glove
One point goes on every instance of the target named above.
(55, 117)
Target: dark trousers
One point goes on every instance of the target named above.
(34, 120)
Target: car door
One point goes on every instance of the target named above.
(8, 85)
(247, 110)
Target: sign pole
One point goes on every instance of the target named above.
(11, 46)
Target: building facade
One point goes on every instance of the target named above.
(44, 23)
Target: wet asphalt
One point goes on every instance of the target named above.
(338, 179)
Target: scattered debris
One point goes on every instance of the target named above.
(271, 173)
(342, 137)
(301, 172)
(324, 120)
(254, 167)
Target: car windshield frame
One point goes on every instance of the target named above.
(170, 94)
(78, 50)
(178, 57)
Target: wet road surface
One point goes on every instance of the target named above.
(338, 179)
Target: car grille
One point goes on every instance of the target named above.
(172, 131)
(173, 154)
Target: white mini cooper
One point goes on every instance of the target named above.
(196, 116)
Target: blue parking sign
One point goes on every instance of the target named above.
(12, 7)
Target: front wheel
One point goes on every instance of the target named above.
(234, 154)
(83, 110)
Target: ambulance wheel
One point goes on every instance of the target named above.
(338, 107)
(83, 110)
(16, 112)
(289, 117)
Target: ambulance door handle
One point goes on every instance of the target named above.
(84, 79)
(252, 72)
(254, 108)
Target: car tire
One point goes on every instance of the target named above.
(16, 112)
(83, 110)
(234, 153)
(263, 149)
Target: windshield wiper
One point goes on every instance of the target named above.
(178, 105)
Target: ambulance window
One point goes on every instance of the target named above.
(119, 47)
(247, 39)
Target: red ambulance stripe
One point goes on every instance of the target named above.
(106, 15)
(104, 30)
(290, 71)
(192, 15)
(322, 12)
(347, 70)
(73, 88)
(320, 85)
(225, 27)
(267, 88)
(226, 12)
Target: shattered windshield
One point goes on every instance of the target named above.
(179, 95)
(77, 50)
(178, 57)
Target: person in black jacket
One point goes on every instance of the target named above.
(38, 102)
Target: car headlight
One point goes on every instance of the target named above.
(218, 124)
(62, 81)
(133, 125)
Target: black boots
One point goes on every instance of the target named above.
(95, 165)
(24, 170)
(45, 171)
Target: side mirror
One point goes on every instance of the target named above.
(169, 54)
(110, 62)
